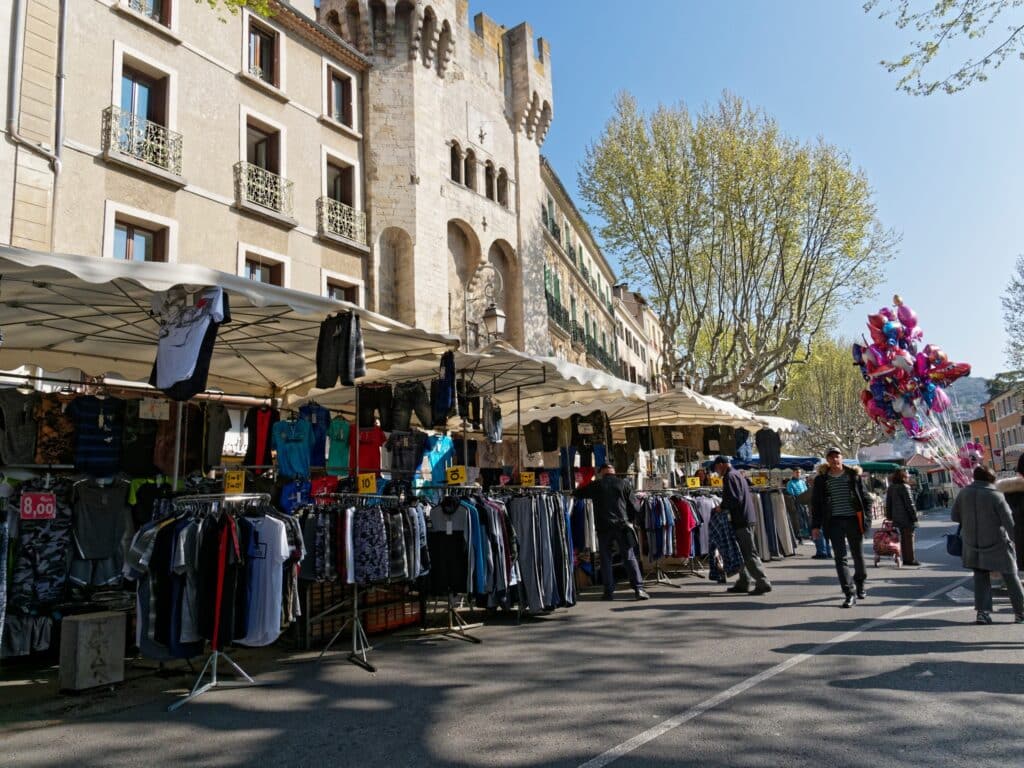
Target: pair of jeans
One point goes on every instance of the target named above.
(339, 351)
(410, 396)
(621, 539)
(847, 539)
(468, 397)
(983, 590)
(442, 402)
(492, 421)
(376, 398)
(752, 568)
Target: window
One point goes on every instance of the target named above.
(456, 159)
(263, 271)
(339, 98)
(263, 53)
(342, 292)
(503, 188)
(469, 170)
(341, 182)
(155, 10)
(263, 148)
(489, 181)
(137, 243)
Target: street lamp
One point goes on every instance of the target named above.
(494, 321)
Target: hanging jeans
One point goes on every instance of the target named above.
(468, 397)
(339, 351)
(376, 398)
(410, 396)
(845, 532)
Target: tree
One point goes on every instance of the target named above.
(824, 395)
(262, 7)
(945, 23)
(747, 242)
(1013, 316)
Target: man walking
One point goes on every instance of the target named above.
(841, 511)
(739, 504)
(613, 499)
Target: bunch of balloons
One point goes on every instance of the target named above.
(905, 380)
(971, 455)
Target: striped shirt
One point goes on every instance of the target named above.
(839, 494)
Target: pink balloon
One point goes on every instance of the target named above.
(940, 401)
(877, 336)
(907, 316)
(876, 321)
(887, 313)
(921, 365)
(880, 353)
(903, 360)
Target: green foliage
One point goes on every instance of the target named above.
(824, 395)
(747, 242)
(262, 7)
(1013, 316)
(946, 23)
(1004, 382)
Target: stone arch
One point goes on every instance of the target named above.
(463, 262)
(379, 27)
(353, 27)
(405, 13)
(502, 188)
(501, 257)
(532, 116)
(455, 173)
(428, 31)
(544, 122)
(489, 181)
(333, 22)
(469, 170)
(444, 47)
(396, 281)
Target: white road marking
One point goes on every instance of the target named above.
(610, 756)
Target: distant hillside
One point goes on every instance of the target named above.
(967, 395)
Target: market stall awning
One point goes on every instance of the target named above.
(782, 425)
(499, 370)
(66, 311)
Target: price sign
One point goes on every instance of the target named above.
(367, 482)
(716, 482)
(760, 481)
(152, 408)
(234, 481)
(504, 480)
(38, 506)
(693, 482)
(527, 478)
(545, 479)
(456, 475)
(677, 435)
(584, 428)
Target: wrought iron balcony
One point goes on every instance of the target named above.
(579, 336)
(333, 217)
(142, 140)
(258, 186)
(558, 313)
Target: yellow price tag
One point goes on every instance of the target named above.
(716, 482)
(693, 482)
(367, 482)
(760, 481)
(456, 475)
(527, 478)
(234, 481)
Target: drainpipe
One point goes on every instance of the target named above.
(17, 57)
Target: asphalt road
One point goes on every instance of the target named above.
(692, 677)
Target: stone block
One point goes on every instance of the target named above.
(92, 650)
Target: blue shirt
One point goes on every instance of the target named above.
(320, 419)
(292, 440)
(99, 424)
(440, 450)
(795, 487)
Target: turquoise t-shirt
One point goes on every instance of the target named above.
(292, 441)
(338, 457)
(440, 451)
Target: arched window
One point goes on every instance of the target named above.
(444, 41)
(353, 23)
(456, 163)
(489, 180)
(503, 188)
(427, 36)
(469, 170)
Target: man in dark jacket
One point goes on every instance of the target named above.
(613, 502)
(739, 504)
(840, 508)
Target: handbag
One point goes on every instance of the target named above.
(954, 543)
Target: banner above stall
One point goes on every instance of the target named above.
(65, 311)
(507, 375)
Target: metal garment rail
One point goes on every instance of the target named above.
(211, 663)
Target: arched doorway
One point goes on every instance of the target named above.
(463, 261)
(396, 275)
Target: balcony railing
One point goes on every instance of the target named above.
(558, 313)
(141, 139)
(259, 186)
(333, 217)
(579, 336)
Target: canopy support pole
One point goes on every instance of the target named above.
(465, 441)
(650, 437)
(177, 459)
(519, 431)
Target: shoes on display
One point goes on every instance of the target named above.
(642, 594)
(849, 601)
(983, 618)
(762, 589)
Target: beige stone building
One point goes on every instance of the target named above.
(238, 145)
(577, 281)
(640, 340)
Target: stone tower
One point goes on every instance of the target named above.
(454, 120)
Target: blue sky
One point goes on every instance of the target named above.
(947, 170)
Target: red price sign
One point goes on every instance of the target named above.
(38, 506)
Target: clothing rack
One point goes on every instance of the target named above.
(660, 576)
(360, 640)
(211, 663)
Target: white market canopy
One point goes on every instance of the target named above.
(499, 370)
(65, 311)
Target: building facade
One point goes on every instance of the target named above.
(237, 145)
(640, 340)
(1004, 415)
(577, 282)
